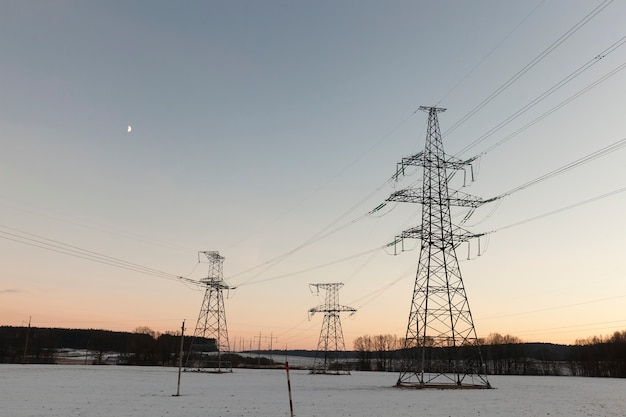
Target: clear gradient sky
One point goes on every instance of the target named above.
(259, 125)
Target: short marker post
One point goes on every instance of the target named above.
(289, 388)
(180, 358)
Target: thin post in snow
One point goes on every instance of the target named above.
(180, 357)
(289, 388)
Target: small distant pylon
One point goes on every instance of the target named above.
(330, 357)
(441, 349)
(210, 349)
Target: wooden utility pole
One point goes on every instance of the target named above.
(26, 343)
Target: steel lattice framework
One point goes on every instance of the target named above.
(330, 357)
(441, 349)
(210, 348)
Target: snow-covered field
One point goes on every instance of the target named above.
(90, 391)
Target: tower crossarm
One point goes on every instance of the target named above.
(420, 160)
(216, 284)
(455, 198)
(190, 281)
(459, 235)
(334, 309)
(465, 236)
(412, 233)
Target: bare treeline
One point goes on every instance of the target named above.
(601, 356)
(509, 355)
(377, 353)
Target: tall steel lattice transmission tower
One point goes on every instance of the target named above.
(210, 349)
(441, 349)
(330, 357)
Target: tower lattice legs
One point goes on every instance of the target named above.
(210, 348)
(441, 349)
(330, 357)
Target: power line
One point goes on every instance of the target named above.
(555, 307)
(550, 213)
(597, 154)
(541, 97)
(484, 58)
(372, 295)
(14, 205)
(42, 242)
(546, 94)
(313, 268)
(330, 180)
(531, 64)
(567, 167)
(575, 326)
(325, 232)
(555, 108)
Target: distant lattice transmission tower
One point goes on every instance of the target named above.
(441, 349)
(210, 348)
(330, 357)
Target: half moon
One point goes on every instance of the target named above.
(130, 128)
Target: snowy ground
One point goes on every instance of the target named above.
(90, 391)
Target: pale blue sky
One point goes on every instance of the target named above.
(258, 124)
